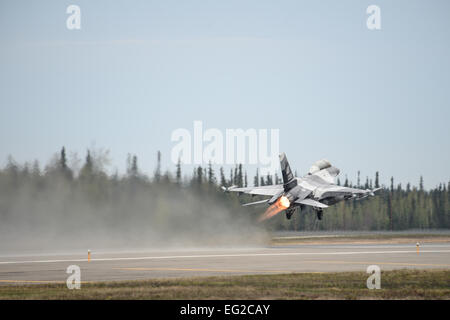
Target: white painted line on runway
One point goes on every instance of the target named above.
(393, 246)
(225, 256)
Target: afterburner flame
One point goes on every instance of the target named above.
(284, 201)
(281, 204)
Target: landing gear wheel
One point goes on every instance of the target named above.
(319, 214)
(289, 214)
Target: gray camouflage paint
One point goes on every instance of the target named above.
(316, 189)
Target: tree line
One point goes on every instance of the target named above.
(395, 208)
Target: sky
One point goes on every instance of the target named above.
(368, 100)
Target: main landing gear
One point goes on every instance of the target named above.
(319, 213)
(289, 213)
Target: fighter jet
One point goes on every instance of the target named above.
(317, 189)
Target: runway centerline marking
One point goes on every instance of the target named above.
(226, 256)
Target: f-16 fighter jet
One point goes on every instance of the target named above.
(317, 189)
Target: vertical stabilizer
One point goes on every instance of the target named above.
(289, 180)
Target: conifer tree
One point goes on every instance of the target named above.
(240, 179)
(256, 179)
(63, 168)
(223, 181)
(211, 177)
(63, 160)
(88, 168)
(178, 173)
(377, 180)
(358, 181)
(392, 185)
(245, 179)
(269, 180)
(158, 167)
(134, 166)
(199, 175)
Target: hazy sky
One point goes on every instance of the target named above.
(137, 70)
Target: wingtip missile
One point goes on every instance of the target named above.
(228, 189)
(373, 191)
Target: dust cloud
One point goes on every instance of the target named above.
(54, 214)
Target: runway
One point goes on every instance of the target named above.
(231, 261)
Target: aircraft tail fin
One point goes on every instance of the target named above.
(289, 180)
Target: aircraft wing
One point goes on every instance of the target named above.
(261, 191)
(336, 191)
(255, 203)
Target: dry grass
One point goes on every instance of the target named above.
(363, 239)
(398, 284)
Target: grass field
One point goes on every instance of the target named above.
(399, 284)
(362, 239)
